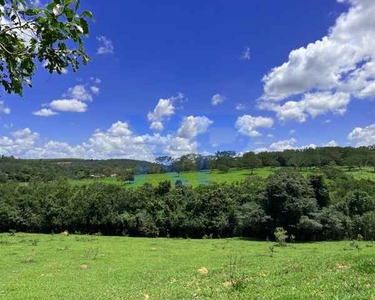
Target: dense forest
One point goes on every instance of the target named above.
(26, 170)
(330, 206)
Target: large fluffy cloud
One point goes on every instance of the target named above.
(363, 136)
(192, 126)
(116, 142)
(312, 104)
(247, 125)
(339, 66)
(163, 110)
(74, 100)
(79, 92)
(22, 140)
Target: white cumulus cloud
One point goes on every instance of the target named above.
(78, 92)
(217, 99)
(328, 72)
(163, 110)
(45, 112)
(248, 125)
(69, 105)
(192, 126)
(363, 136)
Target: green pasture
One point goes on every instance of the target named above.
(195, 178)
(35, 266)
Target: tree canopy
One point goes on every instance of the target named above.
(52, 34)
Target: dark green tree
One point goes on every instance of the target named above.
(251, 161)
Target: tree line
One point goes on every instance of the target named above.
(297, 158)
(26, 170)
(331, 206)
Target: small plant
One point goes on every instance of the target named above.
(34, 242)
(12, 232)
(237, 279)
(272, 249)
(28, 259)
(85, 238)
(292, 238)
(355, 245)
(91, 254)
(281, 236)
(98, 233)
(63, 248)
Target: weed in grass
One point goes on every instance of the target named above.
(28, 259)
(12, 232)
(34, 242)
(63, 248)
(237, 279)
(356, 245)
(91, 254)
(272, 249)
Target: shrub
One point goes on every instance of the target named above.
(281, 236)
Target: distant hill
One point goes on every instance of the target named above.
(24, 170)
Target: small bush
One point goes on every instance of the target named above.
(281, 236)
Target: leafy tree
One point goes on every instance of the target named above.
(320, 189)
(359, 202)
(251, 161)
(288, 198)
(368, 225)
(226, 158)
(223, 168)
(52, 34)
(250, 218)
(127, 175)
(371, 159)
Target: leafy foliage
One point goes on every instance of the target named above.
(52, 34)
(254, 208)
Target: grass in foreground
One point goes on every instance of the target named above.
(195, 178)
(87, 267)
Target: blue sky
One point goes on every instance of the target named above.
(201, 76)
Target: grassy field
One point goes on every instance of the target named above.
(205, 177)
(90, 267)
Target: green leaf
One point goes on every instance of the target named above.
(32, 12)
(87, 13)
(84, 25)
(51, 5)
(78, 3)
